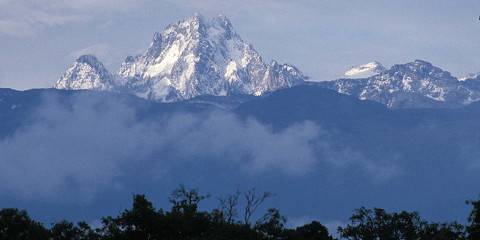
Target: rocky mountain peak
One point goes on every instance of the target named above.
(194, 57)
(415, 84)
(365, 70)
(87, 72)
(470, 76)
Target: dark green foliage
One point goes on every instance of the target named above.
(185, 221)
(186, 201)
(473, 228)
(66, 231)
(377, 224)
(367, 224)
(271, 225)
(443, 231)
(141, 222)
(17, 225)
(311, 231)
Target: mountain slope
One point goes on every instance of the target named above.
(87, 72)
(193, 57)
(417, 84)
(365, 70)
(198, 57)
(470, 76)
(206, 57)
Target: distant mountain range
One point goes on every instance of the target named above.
(198, 57)
(417, 84)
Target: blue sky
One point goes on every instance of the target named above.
(40, 38)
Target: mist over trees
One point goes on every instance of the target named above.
(186, 221)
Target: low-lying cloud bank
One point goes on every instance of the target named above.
(91, 144)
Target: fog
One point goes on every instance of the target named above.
(92, 143)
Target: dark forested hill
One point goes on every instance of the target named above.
(79, 151)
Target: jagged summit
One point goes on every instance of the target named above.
(413, 84)
(196, 57)
(88, 59)
(420, 70)
(365, 70)
(470, 76)
(193, 57)
(87, 72)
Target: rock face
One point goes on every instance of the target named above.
(417, 84)
(191, 58)
(87, 72)
(365, 70)
(199, 57)
(470, 76)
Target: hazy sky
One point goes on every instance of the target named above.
(40, 38)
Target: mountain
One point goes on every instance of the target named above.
(417, 84)
(87, 72)
(206, 57)
(193, 57)
(365, 154)
(470, 76)
(365, 70)
(203, 57)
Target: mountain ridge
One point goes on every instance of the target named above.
(190, 58)
(417, 84)
(87, 72)
(202, 57)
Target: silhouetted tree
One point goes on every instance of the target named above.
(140, 222)
(64, 231)
(377, 224)
(183, 222)
(186, 201)
(86, 232)
(473, 228)
(311, 231)
(444, 231)
(186, 222)
(253, 201)
(271, 225)
(17, 225)
(228, 206)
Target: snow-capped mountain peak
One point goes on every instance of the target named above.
(193, 57)
(197, 57)
(87, 72)
(413, 84)
(470, 76)
(365, 70)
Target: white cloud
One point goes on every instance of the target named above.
(15, 28)
(27, 17)
(378, 171)
(76, 149)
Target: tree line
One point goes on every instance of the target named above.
(185, 221)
